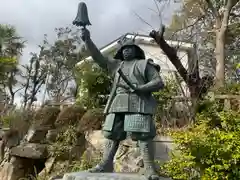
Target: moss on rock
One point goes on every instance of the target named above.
(91, 120)
(46, 116)
(70, 116)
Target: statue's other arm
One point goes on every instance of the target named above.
(154, 80)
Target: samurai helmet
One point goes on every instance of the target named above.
(125, 42)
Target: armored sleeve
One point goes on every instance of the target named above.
(152, 71)
(154, 80)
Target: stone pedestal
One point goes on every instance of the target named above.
(105, 176)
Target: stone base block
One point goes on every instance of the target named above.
(105, 176)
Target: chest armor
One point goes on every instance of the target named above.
(133, 74)
(124, 100)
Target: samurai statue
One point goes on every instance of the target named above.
(131, 105)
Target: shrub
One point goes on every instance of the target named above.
(208, 150)
(165, 102)
(46, 116)
(70, 116)
(230, 88)
(85, 163)
(95, 84)
(91, 120)
(66, 140)
(19, 120)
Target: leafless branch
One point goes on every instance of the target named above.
(226, 14)
(214, 10)
(143, 20)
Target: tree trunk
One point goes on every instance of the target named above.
(220, 58)
(221, 23)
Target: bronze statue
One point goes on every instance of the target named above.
(130, 107)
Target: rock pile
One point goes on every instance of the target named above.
(31, 156)
(55, 141)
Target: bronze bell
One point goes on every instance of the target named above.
(82, 16)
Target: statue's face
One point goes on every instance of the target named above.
(129, 53)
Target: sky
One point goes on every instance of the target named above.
(110, 18)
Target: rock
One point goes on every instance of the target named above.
(51, 135)
(58, 170)
(96, 139)
(46, 116)
(13, 170)
(59, 177)
(36, 135)
(48, 167)
(92, 120)
(31, 150)
(1, 151)
(3, 131)
(69, 116)
(105, 176)
(10, 136)
(128, 160)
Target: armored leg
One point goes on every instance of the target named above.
(114, 133)
(106, 165)
(147, 150)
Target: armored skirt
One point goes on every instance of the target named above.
(118, 126)
(130, 115)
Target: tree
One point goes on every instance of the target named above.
(221, 11)
(196, 21)
(62, 57)
(11, 46)
(214, 26)
(34, 76)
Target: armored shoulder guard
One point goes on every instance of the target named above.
(150, 61)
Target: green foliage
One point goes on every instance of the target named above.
(91, 120)
(6, 63)
(85, 163)
(210, 105)
(11, 45)
(70, 116)
(19, 120)
(65, 141)
(95, 85)
(208, 149)
(230, 88)
(164, 97)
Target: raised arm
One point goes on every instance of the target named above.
(97, 56)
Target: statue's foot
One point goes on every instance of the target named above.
(153, 177)
(102, 169)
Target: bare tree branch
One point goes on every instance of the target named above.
(226, 14)
(215, 13)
